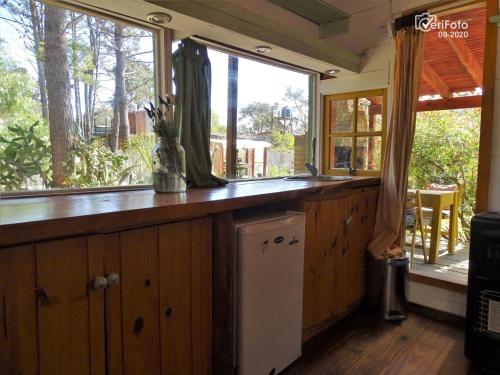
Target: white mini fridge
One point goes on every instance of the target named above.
(269, 287)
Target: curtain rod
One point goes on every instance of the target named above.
(409, 19)
(227, 48)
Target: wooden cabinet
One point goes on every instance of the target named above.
(185, 297)
(62, 273)
(338, 230)
(18, 320)
(156, 319)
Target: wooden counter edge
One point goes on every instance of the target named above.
(41, 230)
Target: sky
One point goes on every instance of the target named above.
(256, 81)
(16, 48)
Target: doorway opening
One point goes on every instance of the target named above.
(444, 166)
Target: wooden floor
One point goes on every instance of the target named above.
(450, 267)
(363, 345)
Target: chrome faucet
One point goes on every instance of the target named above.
(311, 168)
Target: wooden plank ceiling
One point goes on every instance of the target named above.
(454, 65)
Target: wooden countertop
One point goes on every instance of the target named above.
(32, 219)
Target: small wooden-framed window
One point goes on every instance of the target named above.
(354, 130)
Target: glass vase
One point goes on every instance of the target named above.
(169, 166)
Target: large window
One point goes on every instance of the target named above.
(354, 132)
(72, 89)
(260, 118)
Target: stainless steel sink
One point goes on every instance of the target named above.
(318, 178)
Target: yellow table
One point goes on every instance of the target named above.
(437, 200)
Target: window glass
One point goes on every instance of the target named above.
(72, 91)
(218, 101)
(354, 132)
(340, 156)
(342, 116)
(370, 114)
(273, 120)
(369, 152)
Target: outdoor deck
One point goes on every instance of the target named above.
(450, 267)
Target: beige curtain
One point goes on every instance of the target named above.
(407, 70)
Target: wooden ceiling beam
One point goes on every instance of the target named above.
(467, 59)
(434, 80)
(460, 102)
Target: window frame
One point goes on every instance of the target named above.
(162, 55)
(354, 134)
(311, 95)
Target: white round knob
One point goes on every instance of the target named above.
(99, 283)
(113, 279)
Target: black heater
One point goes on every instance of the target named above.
(482, 338)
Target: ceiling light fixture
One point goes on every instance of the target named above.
(262, 49)
(332, 71)
(159, 18)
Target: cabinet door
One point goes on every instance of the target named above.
(201, 291)
(185, 253)
(310, 264)
(362, 205)
(130, 312)
(338, 231)
(353, 258)
(140, 301)
(18, 321)
(158, 317)
(175, 297)
(325, 239)
(65, 308)
(104, 250)
(369, 207)
(342, 254)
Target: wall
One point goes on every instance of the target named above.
(437, 298)
(367, 37)
(375, 72)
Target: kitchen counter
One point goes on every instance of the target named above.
(30, 219)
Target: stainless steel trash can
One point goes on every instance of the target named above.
(394, 276)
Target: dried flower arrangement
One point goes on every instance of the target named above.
(169, 164)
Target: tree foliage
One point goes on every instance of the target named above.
(142, 145)
(23, 156)
(217, 127)
(445, 151)
(259, 117)
(282, 142)
(92, 164)
(17, 93)
(297, 100)
(262, 117)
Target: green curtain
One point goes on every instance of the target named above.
(192, 78)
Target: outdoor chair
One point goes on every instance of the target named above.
(414, 221)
